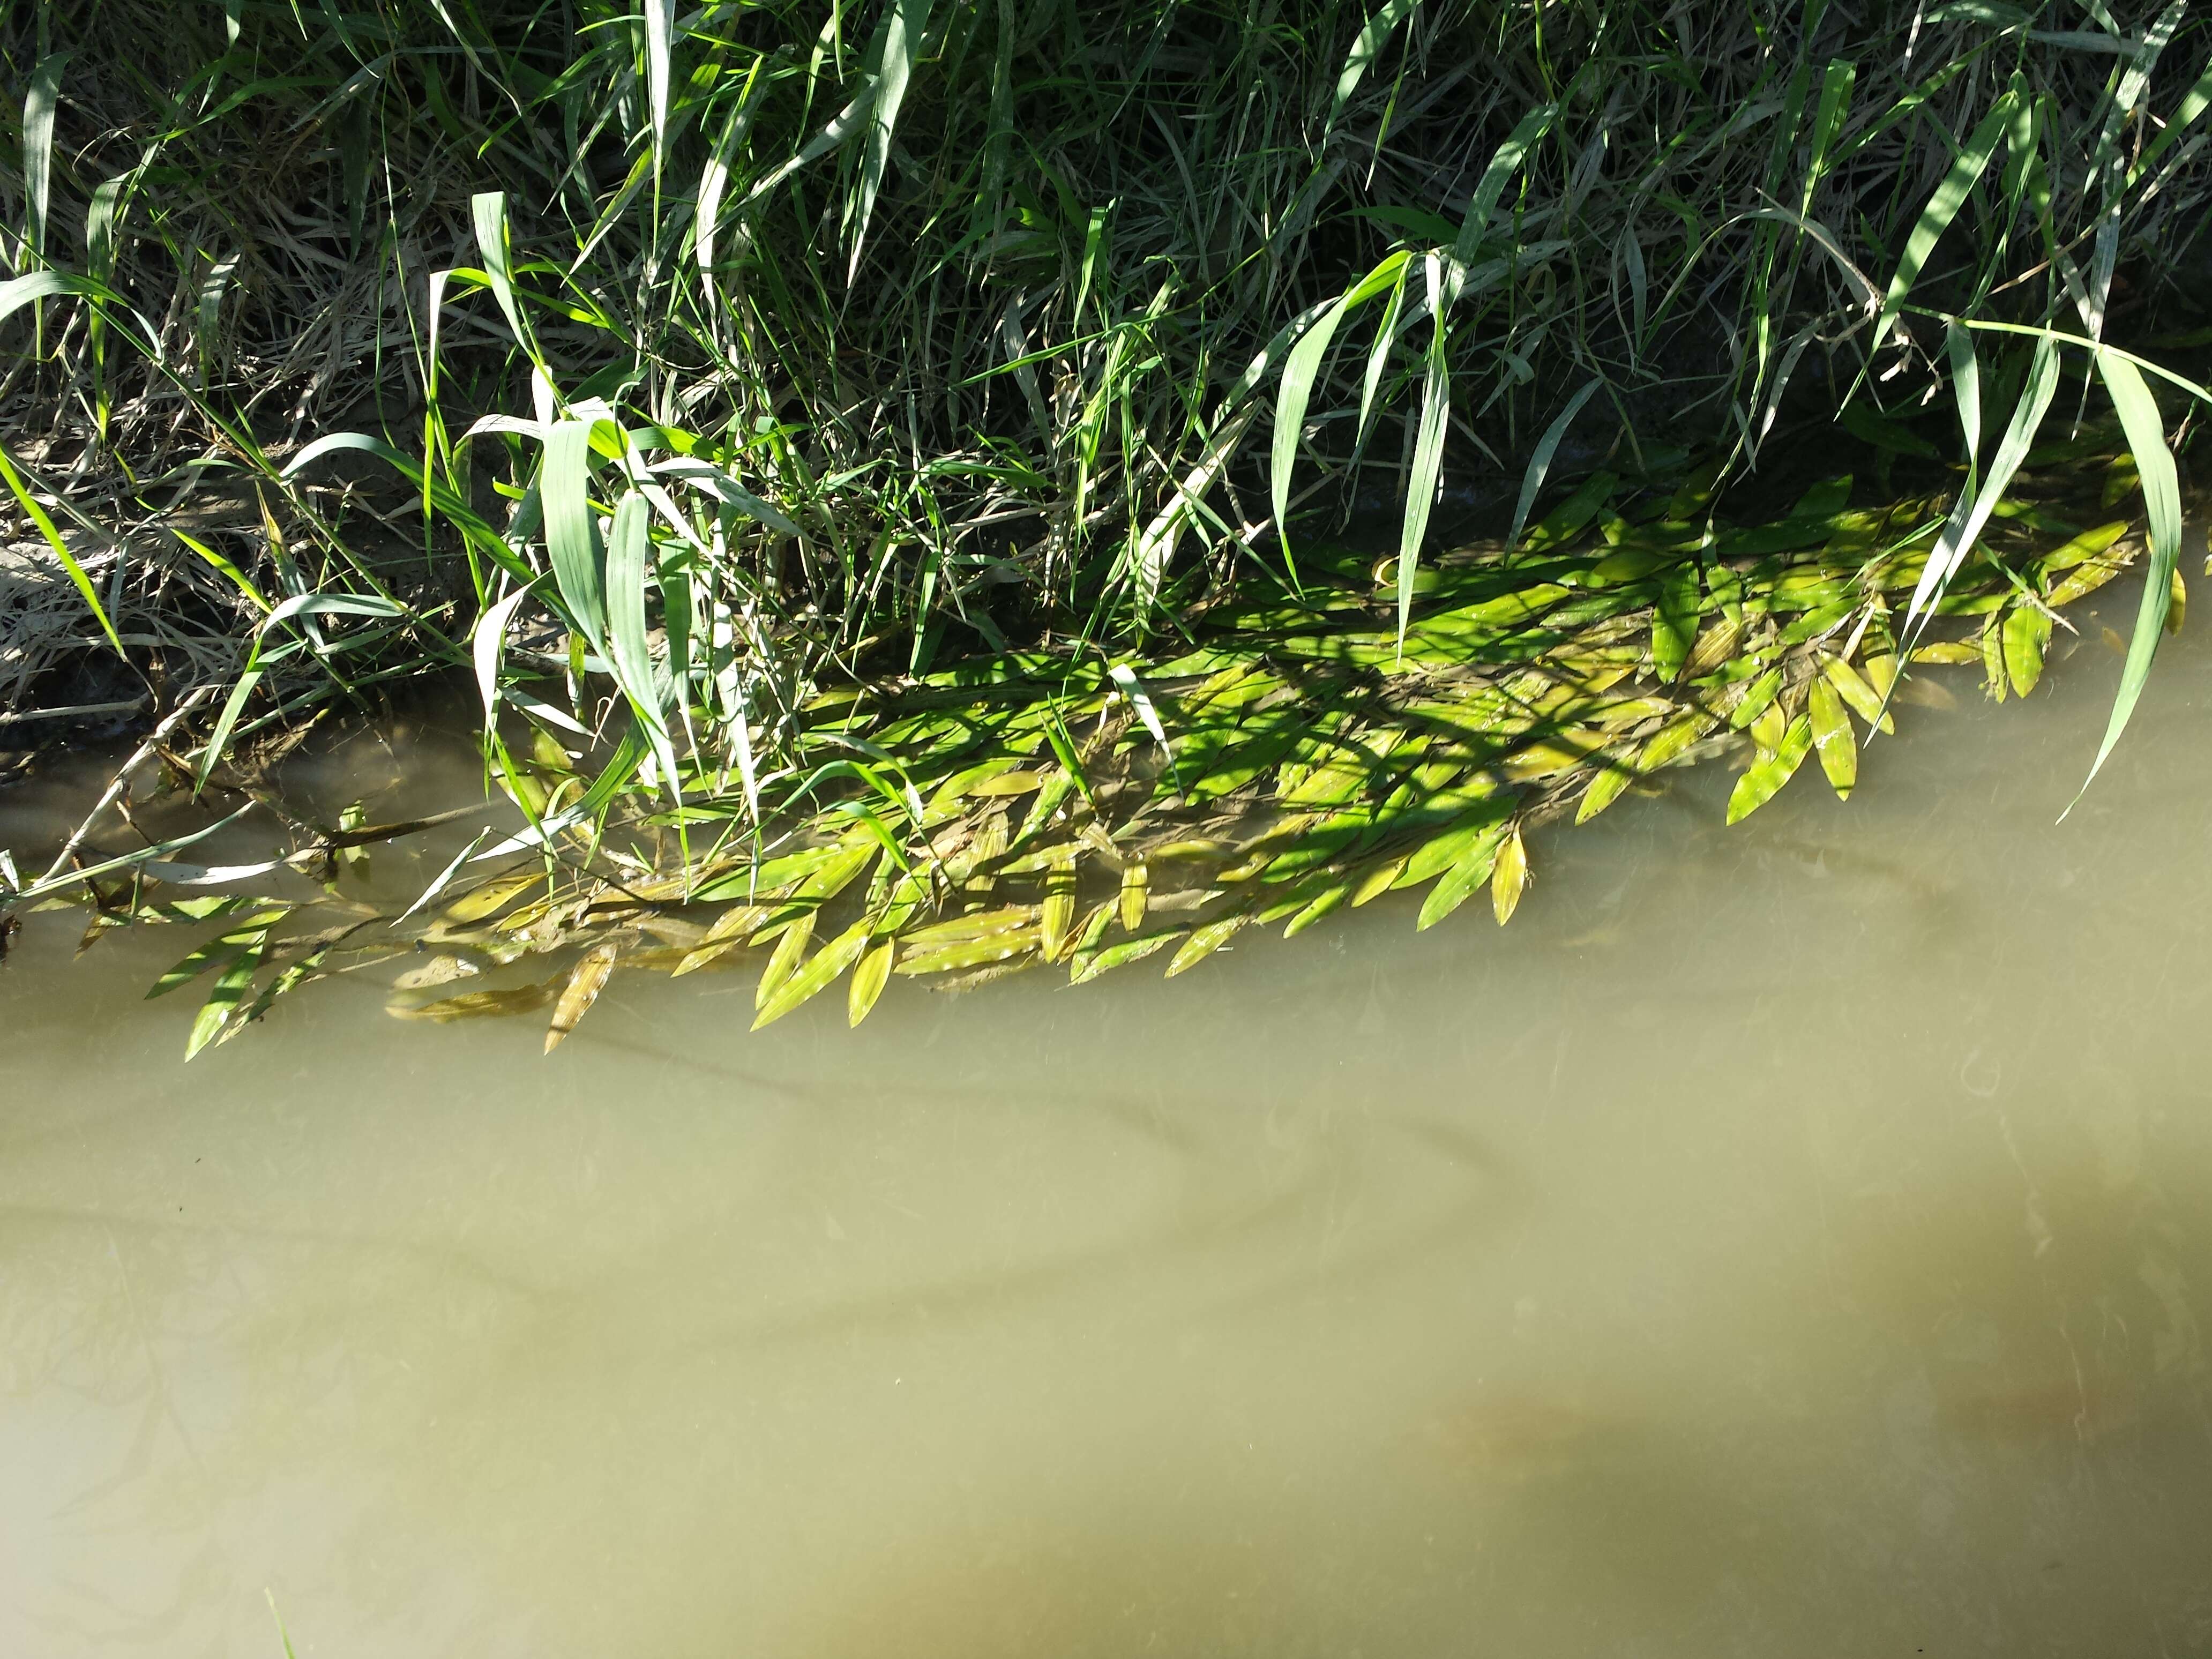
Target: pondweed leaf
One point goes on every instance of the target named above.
(586, 980)
(783, 961)
(492, 897)
(869, 978)
(820, 971)
(1767, 774)
(1204, 942)
(976, 924)
(1089, 937)
(1057, 918)
(1833, 738)
(1952, 652)
(1509, 878)
(1605, 788)
(438, 970)
(1120, 956)
(309, 967)
(1758, 697)
(1331, 898)
(1464, 878)
(251, 934)
(1379, 880)
(480, 1004)
(1135, 888)
(230, 987)
(1672, 742)
(2086, 545)
(2026, 637)
(1674, 622)
(968, 953)
(1861, 697)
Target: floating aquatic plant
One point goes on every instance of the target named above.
(1078, 811)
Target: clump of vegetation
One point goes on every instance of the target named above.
(1058, 808)
(686, 376)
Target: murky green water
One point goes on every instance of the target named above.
(1794, 1239)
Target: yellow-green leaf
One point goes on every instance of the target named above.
(1605, 789)
(1859, 695)
(968, 953)
(783, 961)
(1330, 898)
(229, 987)
(1509, 878)
(585, 981)
(1058, 915)
(1204, 942)
(1951, 650)
(1379, 880)
(249, 934)
(1118, 956)
(1832, 737)
(2026, 637)
(1461, 879)
(1768, 774)
(820, 971)
(868, 981)
(1136, 886)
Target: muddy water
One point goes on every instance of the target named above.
(1791, 1239)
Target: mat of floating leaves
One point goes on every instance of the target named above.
(1050, 810)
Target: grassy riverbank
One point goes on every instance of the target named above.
(690, 378)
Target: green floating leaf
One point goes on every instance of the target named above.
(1205, 941)
(1674, 622)
(2027, 637)
(1766, 776)
(819, 973)
(1833, 738)
(1119, 956)
(248, 935)
(230, 988)
(869, 979)
(1463, 878)
(1508, 878)
(970, 953)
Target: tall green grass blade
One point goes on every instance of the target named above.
(1540, 462)
(47, 529)
(1300, 368)
(1428, 448)
(488, 211)
(1836, 84)
(1504, 164)
(659, 29)
(1975, 505)
(39, 100)
(1965, 171)
(572, 530)
(903, 27)
(2162, 488)
(219, 738)
(630, 550)
(1373, 37)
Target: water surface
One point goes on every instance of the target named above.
(1789, 1239)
